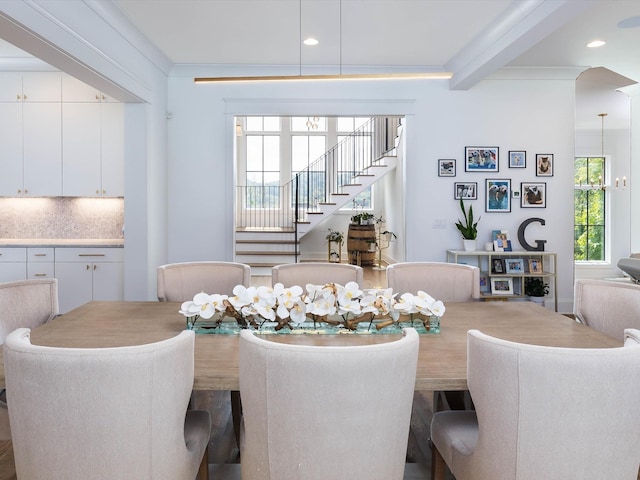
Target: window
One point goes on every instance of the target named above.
(589, 210)
(362, 144)
(263, 162)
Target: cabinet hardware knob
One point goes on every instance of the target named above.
(97, 192)
(39, 254)
(88, 267)
(104, 192)
(26, 191)
(19, 191)
(40, 275)
(97, 97)
(95, 266)
(18, 96)
(91, 254)
(24, 97)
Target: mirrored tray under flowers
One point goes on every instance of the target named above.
(321, 309)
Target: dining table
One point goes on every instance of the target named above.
(442, 358)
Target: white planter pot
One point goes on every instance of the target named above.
(469, 245)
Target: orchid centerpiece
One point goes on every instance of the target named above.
(341, 307)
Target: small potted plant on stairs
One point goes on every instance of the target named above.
(468, 229)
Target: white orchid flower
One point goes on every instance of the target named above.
(298, 312)
(349, 292)
(368, 304)
(217, 301)
(437, 308)
(322, 306)
(202, 305)
(243, 296)
(186, 307)
(349, 306)
(406, 304)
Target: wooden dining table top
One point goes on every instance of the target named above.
(441, 361)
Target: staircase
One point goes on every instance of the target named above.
(270, 235)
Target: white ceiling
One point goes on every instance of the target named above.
(470, 38)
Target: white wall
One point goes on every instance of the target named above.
(532, 115)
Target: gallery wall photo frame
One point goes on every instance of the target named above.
(447, 167)
(465, 190)
(501, 286)
(544, 164)
(498, 195)
(517, 159)
(533, 195)
(497, 266)
(481, 159)
(536, 265)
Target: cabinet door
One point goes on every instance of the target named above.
(108, 281)
(112, 149)
(73, 90)
(11, 157)
(42, 87)
(13, 271)
(81, 147)
(74, 284)
(10, 87)
(42, 149)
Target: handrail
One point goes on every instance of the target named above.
(285, 206)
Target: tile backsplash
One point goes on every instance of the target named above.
(61, 217)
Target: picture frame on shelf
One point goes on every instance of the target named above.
(536, 265)
(534, 195)
(502, 286)
(498, 195)
(517, 159)
(484, 283)
(501, 241)
(497, 266)
(544, 164)
(465, 190)
(446, 167)
(481, 159)
(514, 265)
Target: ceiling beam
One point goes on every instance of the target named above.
(519, 28)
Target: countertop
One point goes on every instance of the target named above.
(62, 242)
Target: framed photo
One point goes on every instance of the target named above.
(502, 286)
(446, 168)
(497, 265)
(484, 283)
(481, 159)
(501, 241)
(517, 159)
(498, 195)
(534, 195)
(466, 191)
(514, 265)
(544, 165)
(535, 265)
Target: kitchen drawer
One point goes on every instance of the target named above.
(92, 254)
(40, 270)
(40, 254)
(9, 254)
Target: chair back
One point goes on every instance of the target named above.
(101, 413)
(549, 412)
(607, 306)
(320, 412)
(449, 282)
(27, 303)
(316, 273)
(179, 282)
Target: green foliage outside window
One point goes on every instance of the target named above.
(589, 210)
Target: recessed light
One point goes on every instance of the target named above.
(311, 41)
(596, 44)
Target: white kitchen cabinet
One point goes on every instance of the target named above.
(73, 90)
(31, 153)
(13, 264)
(86, 274)
(93, 148)
(31, 87)
(40, 262)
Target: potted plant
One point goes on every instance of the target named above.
(536, 289)
(335, 236)
(468, 229)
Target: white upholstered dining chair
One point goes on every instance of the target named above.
(543, 412)
(316, 273)
(448, 282)
(24, 303)
(326, 412)
(607, 306)
(179, 282)
(105, 413)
